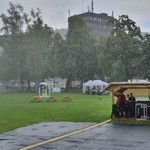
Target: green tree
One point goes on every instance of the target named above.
(125, 24)
(145, 57)
(55, 56)
(3, 64)
(39, 39)
(79, 55)
(124, 49)
(105, 60)
(13, 34)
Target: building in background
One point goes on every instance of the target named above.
(99, 24)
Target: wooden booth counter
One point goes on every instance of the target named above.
(139, 90)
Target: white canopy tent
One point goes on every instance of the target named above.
(95, 83)
(87, 84)
(99, 83)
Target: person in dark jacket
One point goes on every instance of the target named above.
(121, 105)
(132, 102)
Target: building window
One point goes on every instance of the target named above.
(104, 26)
(99, 19)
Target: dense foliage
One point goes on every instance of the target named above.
(37, 52)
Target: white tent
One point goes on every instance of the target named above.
(139, 80)
(87, 84)
(99, 83)
(95, 83)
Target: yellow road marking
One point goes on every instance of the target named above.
(63, 136)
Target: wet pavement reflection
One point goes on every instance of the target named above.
(105, 137)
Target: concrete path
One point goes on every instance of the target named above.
(105, 137)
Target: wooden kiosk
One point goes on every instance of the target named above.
(139, 90)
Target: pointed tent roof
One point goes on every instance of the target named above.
(95, 83)
(88, 83)
(99, 83)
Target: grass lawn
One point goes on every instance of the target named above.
(16, 109)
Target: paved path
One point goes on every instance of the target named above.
(105, 137)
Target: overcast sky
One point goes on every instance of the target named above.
(55, 12)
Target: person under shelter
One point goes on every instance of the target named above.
(121, 105)
(132, 102)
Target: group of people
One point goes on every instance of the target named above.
(93, 91)
(126, 106)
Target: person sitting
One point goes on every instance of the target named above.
(87, 91)
(121, 105)
(93, 91)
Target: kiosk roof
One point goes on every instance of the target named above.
(138, 88)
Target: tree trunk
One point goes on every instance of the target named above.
(68, 83)
(29, 85)
(36, 86)
(18, 86)
(22, 85)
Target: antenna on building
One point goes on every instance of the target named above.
(69, 12)
(112, 13)
(83, 7)
(88, 7)
(92, 6)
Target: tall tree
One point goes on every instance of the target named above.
(80, 56)
(124, 48)
(56, 52)
(39, 39)
(125, 24)
(12, 29)
(104, 59)
(145, 57)
(125, 53)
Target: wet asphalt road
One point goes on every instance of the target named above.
(105, 137)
